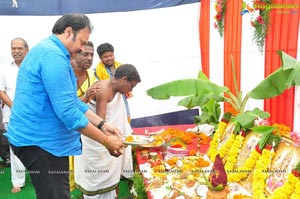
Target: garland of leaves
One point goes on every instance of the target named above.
(219, 17)
(259, 18)
(260, 23)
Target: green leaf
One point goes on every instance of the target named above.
(211, 112)
(288, 62)
(262, 129)
(246, 120)
(274, 140)
(237, 128)
(294, 78)
(202, 76)
(218, 188)
(185, 87)
(193, 101)
(272, 86)
(139, 186)
(259, 113)
(266, 132)
(197, 119)
(281, 79)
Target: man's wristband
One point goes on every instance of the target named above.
(100, 125)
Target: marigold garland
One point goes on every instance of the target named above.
(184, 136)
(260, 174)
(286, 190)
(213, 145)
(296, 194)
(242, 172)
(226, 146)
(234, 152)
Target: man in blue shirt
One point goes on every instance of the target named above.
(48, 117)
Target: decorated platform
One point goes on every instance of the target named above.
(261, 163)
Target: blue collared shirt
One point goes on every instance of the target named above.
(46, 111)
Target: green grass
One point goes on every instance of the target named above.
(28, 191)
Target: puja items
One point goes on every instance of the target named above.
(176, 152)
(217, 181)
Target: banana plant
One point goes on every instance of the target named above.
(206, 95)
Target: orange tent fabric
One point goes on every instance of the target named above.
(204, 31)
(282, 35)
(232, 45)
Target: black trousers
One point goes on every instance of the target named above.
(49, 174)
(4, 147)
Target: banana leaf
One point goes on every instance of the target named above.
(246, 120)
(283, 78)
(193, 101)
(185, 87)
(289, 62)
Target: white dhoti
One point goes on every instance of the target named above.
(95, 170)
(18, 171)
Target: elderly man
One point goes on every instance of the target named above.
(8, 79)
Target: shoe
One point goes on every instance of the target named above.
(7, 163)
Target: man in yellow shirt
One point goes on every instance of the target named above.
(107, 66)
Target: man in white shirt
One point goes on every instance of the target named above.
(8, 79)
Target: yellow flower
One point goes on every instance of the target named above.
(226, 147)
(245, 170)
(287, 189)
(296, 194)
(260, 173)
(234, 152)
(213, 146)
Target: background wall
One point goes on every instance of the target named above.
(162, 43)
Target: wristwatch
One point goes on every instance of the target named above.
(100, 125)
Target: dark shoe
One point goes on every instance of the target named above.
(7, 163)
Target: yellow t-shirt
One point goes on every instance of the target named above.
(87, 83)
(101, 72)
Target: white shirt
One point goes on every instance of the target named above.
(8, 80)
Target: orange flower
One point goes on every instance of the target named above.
(240, 196)
(204, 139)
(281, 129)
(201, 162)
(192, 152)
